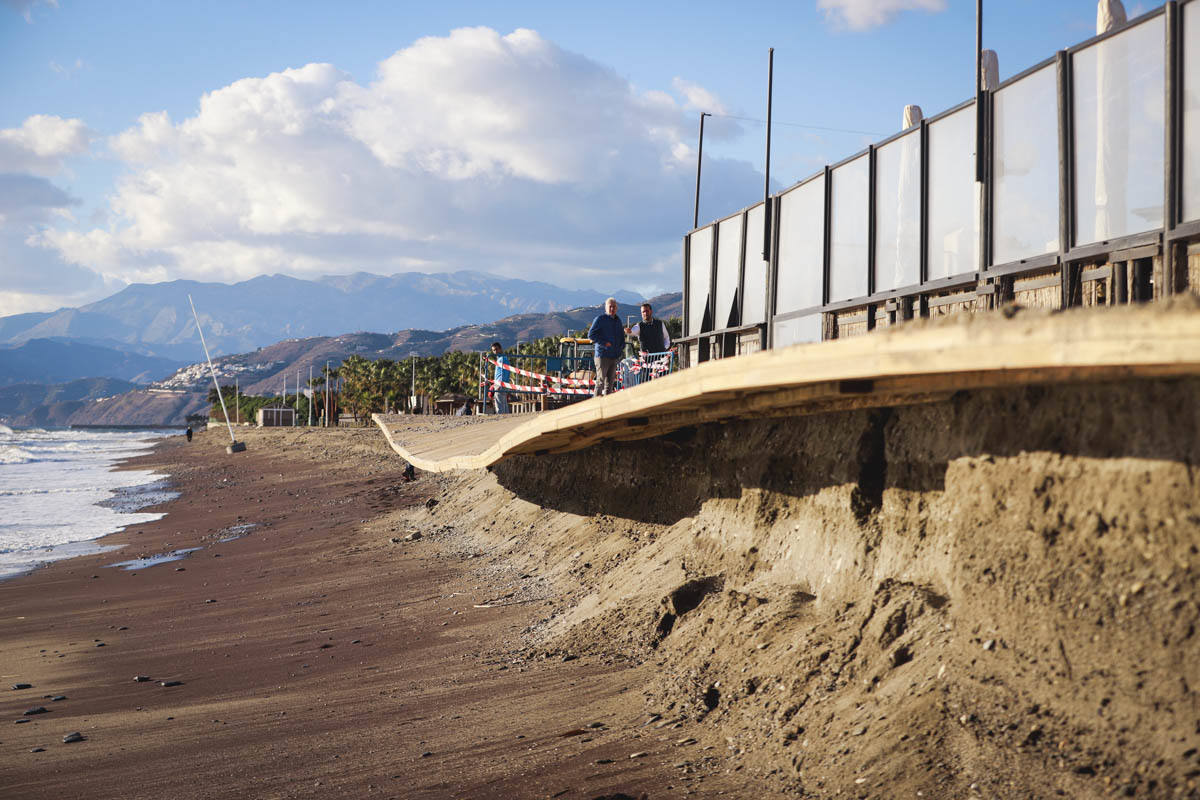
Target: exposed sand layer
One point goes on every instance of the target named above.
(994, 596)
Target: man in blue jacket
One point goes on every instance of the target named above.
(500, 375)
(609, 336)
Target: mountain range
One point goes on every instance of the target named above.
(156, 319)
(54, 381)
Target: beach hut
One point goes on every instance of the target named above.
(276, 416)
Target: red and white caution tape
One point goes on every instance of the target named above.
(535, 389)
(541, 376)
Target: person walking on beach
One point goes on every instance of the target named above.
(609, 336)
(189, 433)
(501, 375)
(652, 332)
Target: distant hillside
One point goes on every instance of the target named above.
(40, 405)
(141, 407)
(155, 319)
(264, 370)
(49, 361)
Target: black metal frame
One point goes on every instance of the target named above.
(1128, 255)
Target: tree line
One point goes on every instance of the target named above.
(361, 386)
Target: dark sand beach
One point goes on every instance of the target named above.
(314, 655)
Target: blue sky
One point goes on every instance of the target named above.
(145, 141)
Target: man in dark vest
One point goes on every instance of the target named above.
(652, 332)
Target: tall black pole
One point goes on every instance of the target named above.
(699, 163)
(766, 252)
(979, 118)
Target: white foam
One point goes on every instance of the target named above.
(50, 483)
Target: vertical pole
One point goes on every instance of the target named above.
(237, 402)
(212, 370)
(979, 119)
(327, 382)
(1069, 273)
(1173, 272)
(310, 400)
(699, 163)
(766, 252)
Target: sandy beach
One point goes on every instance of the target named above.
(309, 650)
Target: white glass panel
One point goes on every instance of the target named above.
(699, 264)
(796, 331)
(898, 213)
(1026, 168)
(848, 250)
(754, 302)
(953, 197)
(1119, 98)
(801, 246)
(1191, 111)
(729, 254)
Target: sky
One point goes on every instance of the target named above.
(150, 140)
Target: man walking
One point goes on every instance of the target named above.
(652, 332)
(609, 337)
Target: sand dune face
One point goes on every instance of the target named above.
(997, 590)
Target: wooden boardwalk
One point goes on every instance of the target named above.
(918, 362)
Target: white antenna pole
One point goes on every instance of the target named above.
(310, 395)
(211, 369)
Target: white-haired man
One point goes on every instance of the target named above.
(609, 336)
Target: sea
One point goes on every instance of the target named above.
(59, 491)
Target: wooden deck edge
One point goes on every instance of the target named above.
(864, 372)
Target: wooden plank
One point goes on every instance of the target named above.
(914, 363)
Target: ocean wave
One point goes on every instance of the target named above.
(5, 429)
(50, 490)
(11, 454)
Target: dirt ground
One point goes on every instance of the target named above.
(315, 656)
(991, 596)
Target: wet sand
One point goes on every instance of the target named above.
(314, 655)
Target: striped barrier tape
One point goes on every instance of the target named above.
(540, 376)
(535, 389)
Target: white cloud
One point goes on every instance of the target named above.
(475, 150)
(68, 70)
(25, 7)
(42, 144)
(698, 98)
(863, 14)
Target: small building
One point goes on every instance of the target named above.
(276, 416)
(450, 403)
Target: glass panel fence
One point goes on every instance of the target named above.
(699, 265)
(755, 290)
(1191, 111)
(953, 199)
(801, 247)
(848, 250)
(898, 213)
(1119, 99)
(729, 258)
(1025, 170)
(798, 330)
